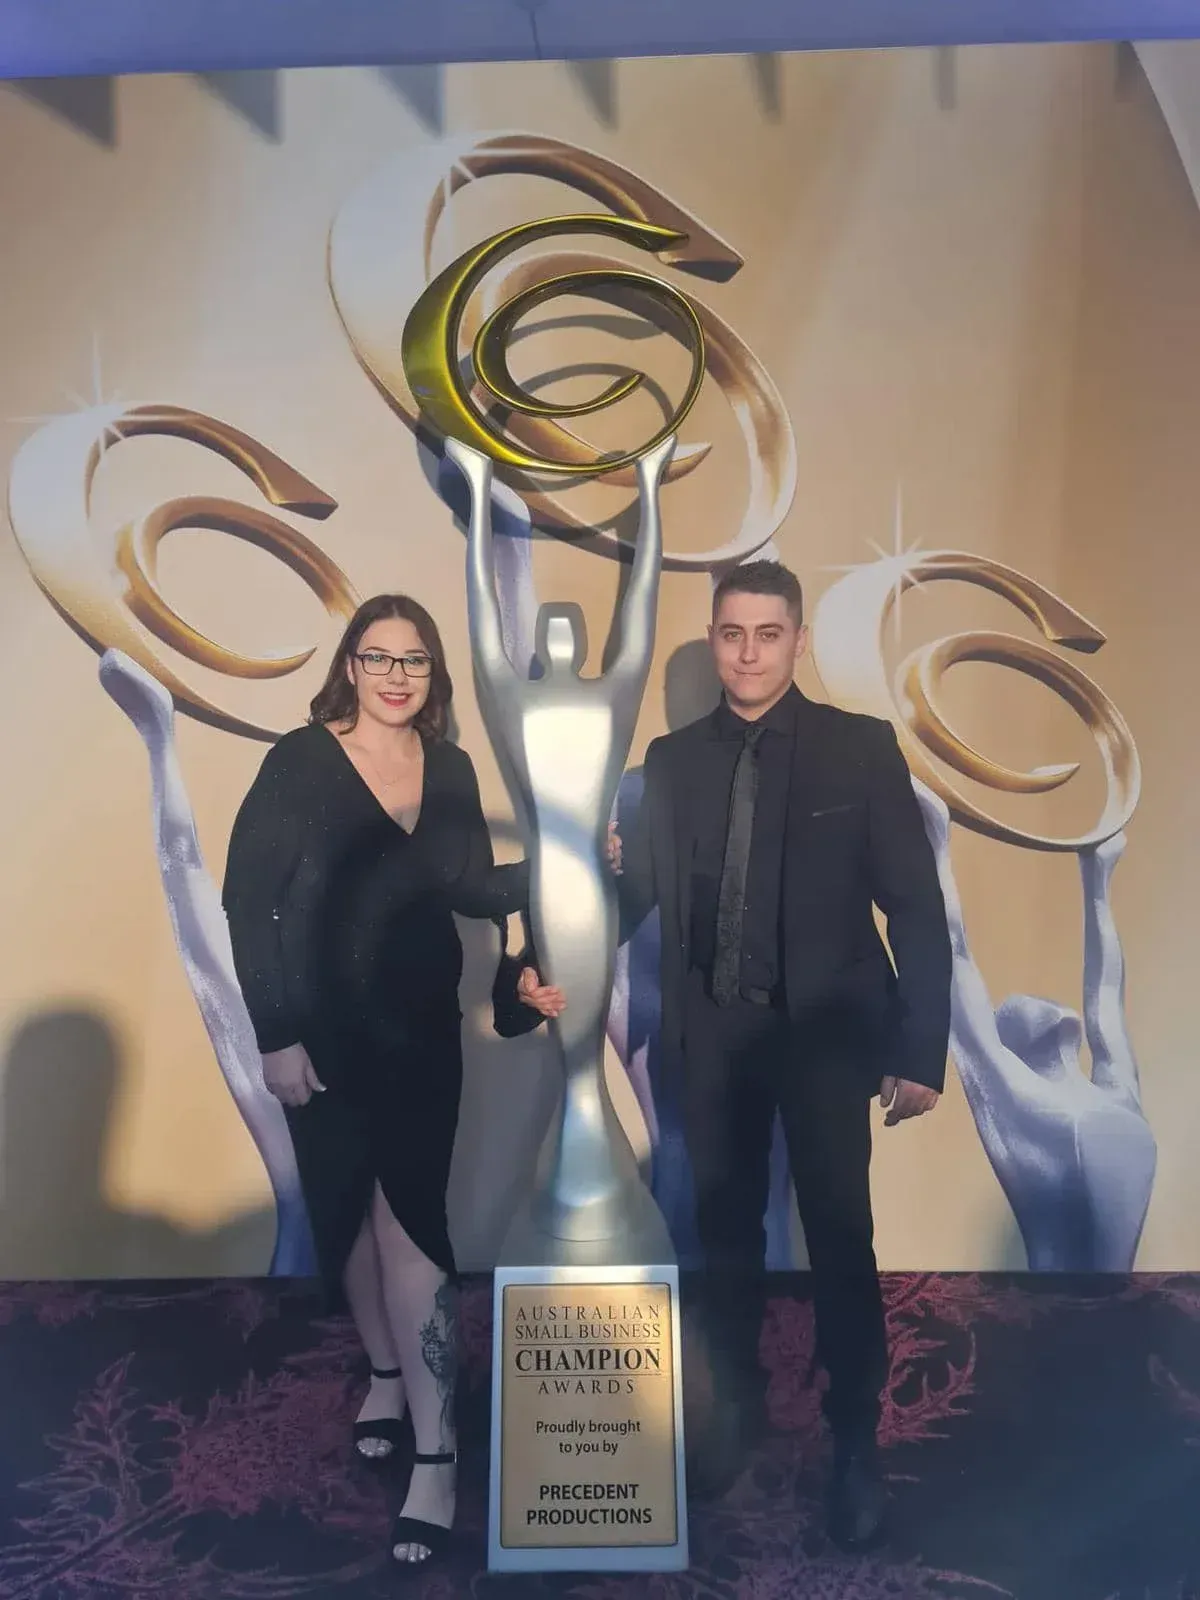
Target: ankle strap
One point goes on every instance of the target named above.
(447, 1459)
(387, 1372)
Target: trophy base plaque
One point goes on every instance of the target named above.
(587, 1467)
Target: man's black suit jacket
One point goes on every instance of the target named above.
(855, 839)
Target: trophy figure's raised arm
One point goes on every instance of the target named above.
(565, 740)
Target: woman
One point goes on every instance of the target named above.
(361, 835)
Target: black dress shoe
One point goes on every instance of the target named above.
(857, 1501)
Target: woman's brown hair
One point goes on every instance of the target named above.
(337, 700)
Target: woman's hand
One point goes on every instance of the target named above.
(539, 996)
(290, 1077)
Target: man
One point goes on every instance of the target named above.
(767, 833)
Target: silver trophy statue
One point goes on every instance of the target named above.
(564, 741)
(587, 1412)
(586, 1393)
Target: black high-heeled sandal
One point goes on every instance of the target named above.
(412, 1530)
(387, 1430)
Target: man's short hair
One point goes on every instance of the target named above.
(762, 577)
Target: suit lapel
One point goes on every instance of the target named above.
(691, 778)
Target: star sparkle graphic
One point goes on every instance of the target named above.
(899, 559)
(108, 431)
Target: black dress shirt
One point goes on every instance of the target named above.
(762, 955)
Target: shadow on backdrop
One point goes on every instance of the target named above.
(691, 688)
(58, 1087)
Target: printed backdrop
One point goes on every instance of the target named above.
(954, 379)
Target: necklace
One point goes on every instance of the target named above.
(386, 782)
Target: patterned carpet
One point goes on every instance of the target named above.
(191, 1442)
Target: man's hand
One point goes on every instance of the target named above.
(539, 996)
(902, 1100)
(614, 848)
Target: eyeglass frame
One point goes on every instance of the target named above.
(396, 661)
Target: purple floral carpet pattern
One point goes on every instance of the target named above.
(191, 1441)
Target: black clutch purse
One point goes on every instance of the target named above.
(511, 1018)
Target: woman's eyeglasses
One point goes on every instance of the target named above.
(378, 663)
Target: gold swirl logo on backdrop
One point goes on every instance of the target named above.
(847, 643)
(105, 586)
(407, 325)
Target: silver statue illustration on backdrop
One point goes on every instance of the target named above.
(564, 740)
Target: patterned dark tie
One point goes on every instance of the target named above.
(731, 900)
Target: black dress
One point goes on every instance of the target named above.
(344, 941)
